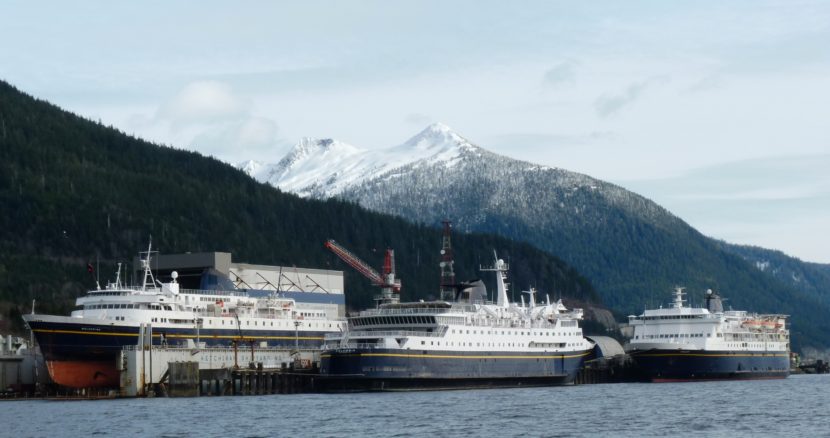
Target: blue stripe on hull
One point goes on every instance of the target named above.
(390, 369)
(61, 341)
(662, 365)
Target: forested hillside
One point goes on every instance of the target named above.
(634, 251)
(811, 278)
(73, 191)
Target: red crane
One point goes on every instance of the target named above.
(390, 286)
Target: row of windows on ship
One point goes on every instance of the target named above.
(170, 308)
(681, 335)
(514, 332)
(503, 344)
(406, 320)
(651, 318)
(247, 323)
(709, 335)
(747, 345)
(128, 306)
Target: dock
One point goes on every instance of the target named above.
(191, 372)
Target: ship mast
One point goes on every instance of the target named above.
(678, 297)
(500, 268)
(447, 272)
(145, 264)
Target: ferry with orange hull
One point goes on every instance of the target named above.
(83, 373)
(82, 350)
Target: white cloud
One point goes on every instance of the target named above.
(212, 118)
(204, 101)
(251, 137)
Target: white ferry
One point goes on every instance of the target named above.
(462, 344)
(81, 350)
(689, 343)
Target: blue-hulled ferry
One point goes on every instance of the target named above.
(682, 343)
(469, 343)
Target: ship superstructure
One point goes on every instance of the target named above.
(692, 343)
(466, 343)
(81, 349)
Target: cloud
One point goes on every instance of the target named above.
(562, 73)
(608, 104)
(250, 137)
(209, 117)
(203, 101)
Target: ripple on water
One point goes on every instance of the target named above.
(792, 407)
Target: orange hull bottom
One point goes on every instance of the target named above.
(84, 374)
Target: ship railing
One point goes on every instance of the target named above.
(123, 289)
(257, 348)
(214, 292)
(100, 292)
(385, 334)
(399, 311)
(360, 345)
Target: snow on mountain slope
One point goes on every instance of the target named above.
(438, 172)
(323, 168)
(632, 249)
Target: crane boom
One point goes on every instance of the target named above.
(390, 286)
(355, 262)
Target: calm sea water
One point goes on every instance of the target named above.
(797, 406)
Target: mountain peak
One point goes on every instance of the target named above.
(309, 145)
(438, 127)
(437, 137)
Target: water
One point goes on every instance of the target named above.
(797, 406)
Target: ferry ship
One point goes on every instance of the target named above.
(81, 350)
(466, 343)
(684, 343)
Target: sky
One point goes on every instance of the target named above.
(716, 110)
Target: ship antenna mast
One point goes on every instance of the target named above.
(118, 277)
(447, 272)
(678, 297)
(145, 264)
(500, 268)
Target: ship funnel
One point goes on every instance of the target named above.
(714, 303)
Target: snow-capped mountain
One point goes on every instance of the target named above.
(324, 168)
(433, 168)
(633, 250)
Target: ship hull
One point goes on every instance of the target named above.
(345, 370)
(690, 365)
(82, 354)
